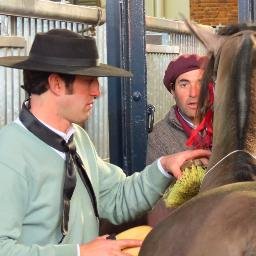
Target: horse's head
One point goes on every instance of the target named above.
(232, 66)
(211, 223)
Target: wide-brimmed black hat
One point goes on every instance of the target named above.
(63, 51)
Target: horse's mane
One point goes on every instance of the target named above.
(211, 69)
(235, 28)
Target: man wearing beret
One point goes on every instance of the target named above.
(170, 135)
(53, 185)
(179, 130)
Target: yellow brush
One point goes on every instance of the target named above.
(184, 188)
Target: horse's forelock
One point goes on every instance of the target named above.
(203, 101)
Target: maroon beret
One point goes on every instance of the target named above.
(183, 64)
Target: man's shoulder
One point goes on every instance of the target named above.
(12, 138)
(160, 126)
(168, 124)
(168, 134)
(16, 137)
(9, 130)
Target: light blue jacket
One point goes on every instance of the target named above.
(31, 184)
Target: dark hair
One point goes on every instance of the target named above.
(36, 82)
(235, 28)
(203, 100)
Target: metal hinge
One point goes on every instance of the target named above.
(150, 117)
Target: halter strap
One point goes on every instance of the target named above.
(226, 156)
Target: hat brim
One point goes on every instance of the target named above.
(102, 70)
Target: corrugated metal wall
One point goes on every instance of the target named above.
(157, 63)
(12, 96)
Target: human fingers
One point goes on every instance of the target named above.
(121, 253)
(176, 172)
(190, 157)
(170, 164)
(130, 249)
(174, 162)
(204, 161)
(106, 247)
(128, 243)
(197, 153)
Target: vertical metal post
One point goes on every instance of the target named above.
(246, 10)
(125, 21)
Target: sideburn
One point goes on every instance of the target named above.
(69, 88)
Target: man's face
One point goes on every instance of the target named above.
(186, 92)
(76, 105)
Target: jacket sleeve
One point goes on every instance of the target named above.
(14, 197)
(125, 198)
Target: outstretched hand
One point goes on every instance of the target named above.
(104, 247)
(172, 163)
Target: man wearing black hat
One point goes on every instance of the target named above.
(53, 185)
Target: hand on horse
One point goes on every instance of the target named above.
(173, 163)
(107, 247)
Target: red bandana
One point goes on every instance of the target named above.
(201, 136)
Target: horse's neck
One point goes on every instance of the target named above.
(233, 155)
(234, 125)
(236, 166)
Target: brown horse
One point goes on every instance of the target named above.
(221, 219)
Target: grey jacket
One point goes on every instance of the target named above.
(167, 137)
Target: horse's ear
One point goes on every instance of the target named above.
(210, 40)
